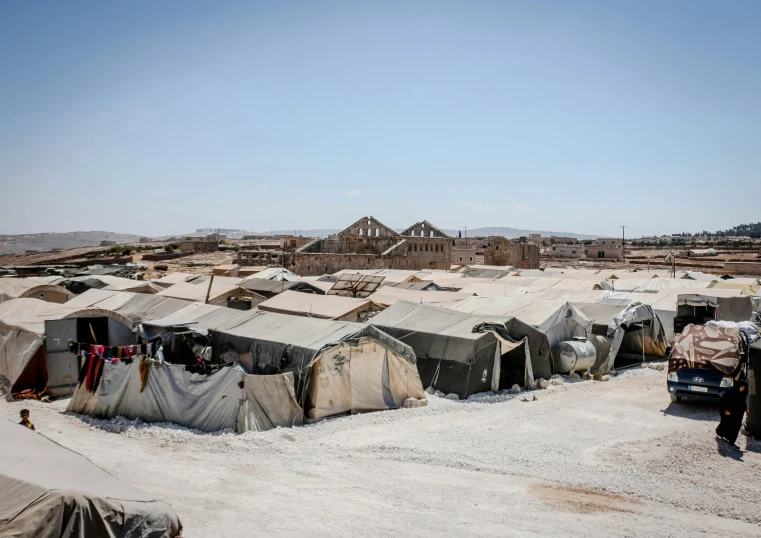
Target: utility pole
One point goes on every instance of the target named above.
(623, 241)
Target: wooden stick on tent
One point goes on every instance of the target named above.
(208, 292)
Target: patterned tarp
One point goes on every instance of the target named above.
(703, 346)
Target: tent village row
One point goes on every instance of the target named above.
(278, 350)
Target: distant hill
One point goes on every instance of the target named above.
(45, 242)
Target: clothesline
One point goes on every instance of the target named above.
(113, 353)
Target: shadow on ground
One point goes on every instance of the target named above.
(695, 409)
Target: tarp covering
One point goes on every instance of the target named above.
(387, 296)
(559, 320)
(270, 403)
(203, 402)
(197, 292)
(48, 491)
(213, 402)
(702, 346)
(359, 376)
(729, 305)
(318, 306)
(469, 356)
(20, 288)
(22, 321)
(631, 328)
(107, 282)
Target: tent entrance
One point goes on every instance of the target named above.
(92, 331)
(512, 368)
(695, 315)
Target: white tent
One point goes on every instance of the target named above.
(32, 288)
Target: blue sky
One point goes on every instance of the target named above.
(160, 117)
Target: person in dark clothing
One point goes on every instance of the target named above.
(732, 409)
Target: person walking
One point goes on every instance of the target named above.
(732, 409)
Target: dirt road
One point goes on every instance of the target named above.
(584, 459)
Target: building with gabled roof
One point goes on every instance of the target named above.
(370, 244)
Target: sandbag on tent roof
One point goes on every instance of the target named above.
(48, 491)
(465, 354)
(32, 288)
(559, 320)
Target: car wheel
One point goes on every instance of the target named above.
(675, 398)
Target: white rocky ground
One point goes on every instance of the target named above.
(582, 459)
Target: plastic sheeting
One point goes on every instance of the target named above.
(442, 335)
(360, 376)
(203, 402)
(559, 320)
(270, 403)
(48, 491)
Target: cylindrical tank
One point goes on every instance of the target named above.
(576, 355)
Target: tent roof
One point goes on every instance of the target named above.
(16, 288)
(176, 278)
(30, 314)
(529, 310)
(279, 286)
(197, 292)
(32, 466)
(321, 306)
(389, 295)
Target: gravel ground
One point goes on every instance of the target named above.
(579, 459)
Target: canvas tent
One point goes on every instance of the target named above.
(219, 294)
(289, 349)
(23, 288)
(81, 284)
(270, 288)
(626, 332)
(48, 491)
(321, 306)
(34, 335)
(559, 320)
(466, 354)
(387, 295)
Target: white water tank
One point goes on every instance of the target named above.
(576, 355)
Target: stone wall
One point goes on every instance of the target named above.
(502, 251)
(408, 256)
(743, 268)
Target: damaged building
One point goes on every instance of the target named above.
(369, 244)
(519, 254)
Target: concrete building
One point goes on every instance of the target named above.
(263, 257)
(369, 244)
(502, 251)
(567, 251)
(106, 243)
(199, 245)
(607, 248)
